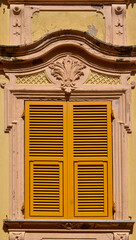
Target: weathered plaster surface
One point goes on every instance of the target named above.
(4, 25)
(44, 22)
(4, 165)
(131, 24)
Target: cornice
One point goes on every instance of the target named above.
(76, 42)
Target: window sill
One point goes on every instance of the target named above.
(24, 229)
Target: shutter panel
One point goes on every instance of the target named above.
(91, 161)
(90, 189)
(46, 189)
(44, 146)
(68, 160)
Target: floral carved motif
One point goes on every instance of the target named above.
(36, 78)
(68, 71)
(98, 78)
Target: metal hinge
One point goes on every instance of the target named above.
(23, 114)
(114, 208)
(112, 115)
(23, 208)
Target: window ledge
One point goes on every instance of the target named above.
(26, 229)
(69, 224)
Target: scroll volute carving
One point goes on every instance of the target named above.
(68, 71)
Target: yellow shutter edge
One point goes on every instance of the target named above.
(110, 169)
(27, 190)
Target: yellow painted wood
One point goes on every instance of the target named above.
(71, 136)
(90, 144)
(45, 160)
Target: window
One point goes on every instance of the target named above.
(68, 160)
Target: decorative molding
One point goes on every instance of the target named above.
(99, 78)
(68, 71)
(105, 57)
(121, 236)
(16, 24)
(119, 24)
(16, 235)
(36, 78)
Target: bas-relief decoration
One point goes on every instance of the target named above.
(16, 236)
(16, 24)
(35, 78)
(119, 24)
(67, 71)
(121, 236)
(98, 78)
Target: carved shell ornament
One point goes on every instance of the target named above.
(68, 71)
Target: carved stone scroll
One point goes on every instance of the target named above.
(68, 71)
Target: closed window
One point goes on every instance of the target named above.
(68, 160)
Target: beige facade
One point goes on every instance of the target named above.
(82, 34)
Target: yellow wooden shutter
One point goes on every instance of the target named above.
(90, 167)
(68, 160)
(44, 159)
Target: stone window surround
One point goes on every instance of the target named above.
(16, 94)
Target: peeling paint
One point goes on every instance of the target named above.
(44, 22)
(92, 30)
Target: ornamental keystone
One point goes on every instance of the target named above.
(68, 72)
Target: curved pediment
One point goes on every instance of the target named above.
(58, 44)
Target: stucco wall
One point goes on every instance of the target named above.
(4, 166)
(131, 24)
(4, 24)
(44, 22)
